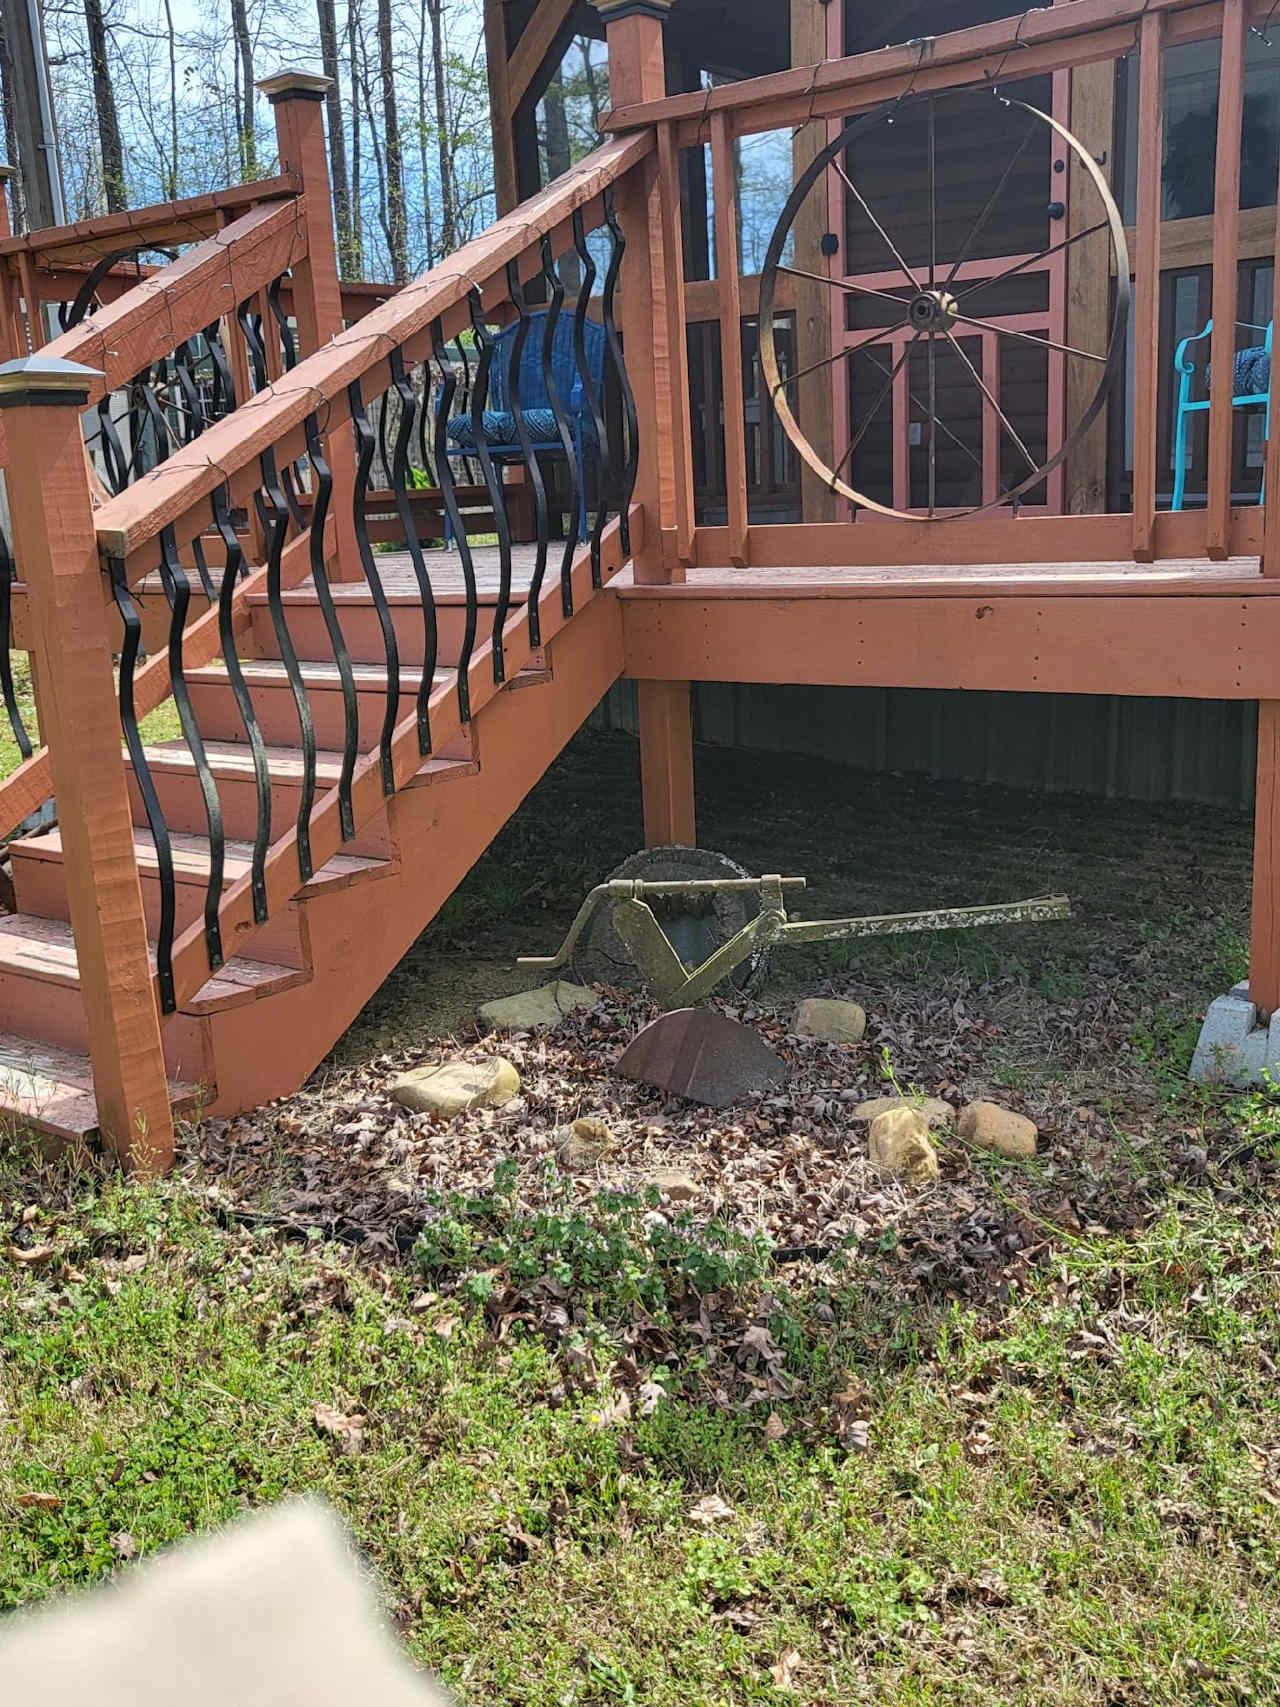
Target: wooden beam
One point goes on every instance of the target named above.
(501, 107)
(1093, 103)
(1271, 472)
(666, 763)
(1146, 263)
(1264, 929)
(810, 300)
(1189, 242)
(536, 42)
(733, 398)
(54, 540)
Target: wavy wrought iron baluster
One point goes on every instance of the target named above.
(177, 589)
(223, 400)
(220, 503)
(6, 663)
(492, 482)
(555, 302)
(337, 640)
(288, 343)
(630, 417)
(384, 428)
(113, 451)
(589, 390)
(274, 514)
(424, 429)
(183, 367)
(366, 444)
(400, 485)
(251, 331)
(532, 466)
(132, 624)
(449, 498)
(463, 404)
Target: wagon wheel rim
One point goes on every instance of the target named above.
(935, 310)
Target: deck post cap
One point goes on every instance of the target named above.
(294, 85)
(46, 379)
(611, 11)
(7, 171)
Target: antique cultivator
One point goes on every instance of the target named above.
(681, 957)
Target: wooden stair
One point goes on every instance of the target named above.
(289, 987)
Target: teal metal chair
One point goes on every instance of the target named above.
(1250, 389)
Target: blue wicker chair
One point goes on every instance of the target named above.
(539, 418)
(1250, 389)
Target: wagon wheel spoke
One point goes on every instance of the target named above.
(874, 410)
(975, 230)
(1032, 260)
(862, 202)
(827, 361)
(850, 285)
(1005, 422)
(933, 203)
(1031, 338)
(914, 399)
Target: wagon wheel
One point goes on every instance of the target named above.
(936, 303)
(695, 926)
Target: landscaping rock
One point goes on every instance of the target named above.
(996, 1128)
(582, 1144)
(898, 1142)
(457, 1086)
(936, 1112)
(529, 1009)
(830, 1021)
(679, 1187)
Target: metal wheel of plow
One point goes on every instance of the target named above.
(939, 304)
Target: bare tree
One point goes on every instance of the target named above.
(104, 100)
(448, 178)
(337, 135)
(395, 222)
(244, 79)
(357, 206)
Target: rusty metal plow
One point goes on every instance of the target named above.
(677, 985)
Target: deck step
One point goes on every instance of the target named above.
(50, 1089)
(362, 630)
(44, 949)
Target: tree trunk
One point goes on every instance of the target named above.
(357, 211)
(104, 101)
(396, 220)
(424, 131)
(244, 118)
(444, 139)
(17, 201)
(337, 136)
(173, 101)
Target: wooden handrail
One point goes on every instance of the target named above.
(176, 302)
(1053, 38)
(273, 419)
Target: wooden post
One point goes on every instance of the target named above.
(501, 107)
(55, 542)
(298, 98)
(1093, 101)
(1146, 264)
(813, 396)
(1226, 282)
(729, 292)
(652, 320)
(1264, 932)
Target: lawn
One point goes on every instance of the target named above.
(1011, 1440)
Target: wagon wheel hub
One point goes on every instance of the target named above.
(933, 310)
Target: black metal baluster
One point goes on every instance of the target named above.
(366, 444)
(177, 589)
(132, 624)
(223, 401)
(532, 466)
(589, 391)
(630, 417)
(14, 715)
(288, 344)
(492, 482)
(400, 485)
(290, 477)
(384, 429)
(555, 302)
(113, 451)
(251, 330)
(449, 497)
(220, 503)
(337, 640)
(424, 430)
(275, 518)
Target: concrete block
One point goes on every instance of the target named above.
(1237, 1044)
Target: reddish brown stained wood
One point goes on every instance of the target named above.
(1226, 209)
(1146, 313)
(506, 192)
(536, 41)
(1264, 931)
(735, 434)
(275, 416)
(175, 302)
(1271, 510)
(54, 541)
(666, 762)
(681, 516)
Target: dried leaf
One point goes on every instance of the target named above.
(30, 1257)
(783, 1673)
(711, 1509)
(41, 1502)
(123, 1545)
(348, 1431)
(775, 1428)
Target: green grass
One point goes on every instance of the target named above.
(1072, 1501)
(161, 725)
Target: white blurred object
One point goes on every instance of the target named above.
(272, 1612)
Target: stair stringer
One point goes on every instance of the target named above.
(356, 936)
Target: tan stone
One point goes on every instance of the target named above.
(829, 1020)
(530, 1009)
(583, 1143)
(996, 1128)
(457, 1086)
(898, 1142)
(672, 1183)
(935, 1110)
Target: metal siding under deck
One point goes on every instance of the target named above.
(1200, 750)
